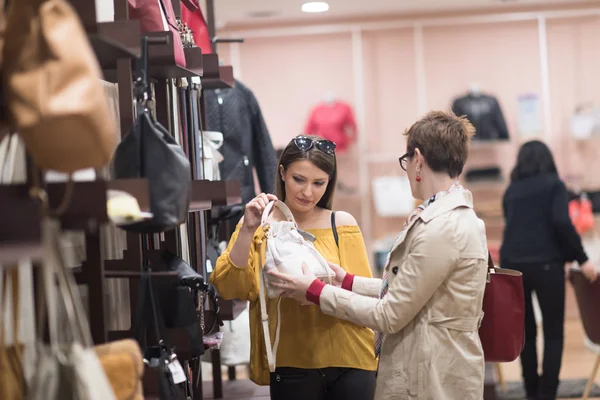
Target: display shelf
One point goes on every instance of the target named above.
(138, 188)
(162, 58)
(230, 309)
(114, 40)
(216, 76)
(225, 193)
(20, 230)
(194, 60)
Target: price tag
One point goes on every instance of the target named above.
(176, 371)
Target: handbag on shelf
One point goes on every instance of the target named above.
(197, 24)
(285, 250)
(12, 374)
(502, 330)
(158, 16)
(124, 367)
(52, 87)
(67, 368)
(149, 151)
(160, 357)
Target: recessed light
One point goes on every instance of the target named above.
(315, 7)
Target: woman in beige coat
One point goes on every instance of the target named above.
(426, 310)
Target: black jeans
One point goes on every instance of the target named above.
(548, 283)
(322, 384)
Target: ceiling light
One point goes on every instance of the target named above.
(315, 7)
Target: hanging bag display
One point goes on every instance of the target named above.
(12, 375)
(149, 151)
(52, 87)
(284, 249)
(68, 368)
(502, 330)
(159, 357)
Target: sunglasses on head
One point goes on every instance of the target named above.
(304, 143)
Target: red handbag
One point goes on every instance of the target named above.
(502, 330)
(196, 22)
(152, 15)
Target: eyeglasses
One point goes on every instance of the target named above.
(304, 143)
(405, 157)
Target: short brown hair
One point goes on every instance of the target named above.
(323, 161)
(443, 139)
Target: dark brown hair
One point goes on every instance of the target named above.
(443, 139)
(325, 162)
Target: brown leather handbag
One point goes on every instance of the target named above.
(502, 330)
(124, 367)
(52, 87)
(12, 376)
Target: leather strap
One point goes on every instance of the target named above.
(334, 229)
(264, 317)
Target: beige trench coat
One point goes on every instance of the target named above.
(431, 313)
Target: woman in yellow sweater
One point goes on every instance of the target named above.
(319, 357)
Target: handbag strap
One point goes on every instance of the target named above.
(264, 317)
(282, 206)
(13, 275)
(334, 230)
(145, 298)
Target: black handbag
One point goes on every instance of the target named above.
(172, 380)
(149, 151)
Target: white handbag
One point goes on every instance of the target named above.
(67, 368)
(285, 251)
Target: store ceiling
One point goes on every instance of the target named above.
(233, 12)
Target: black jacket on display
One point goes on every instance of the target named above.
(246, 141)
(484, 113)
(538, 226)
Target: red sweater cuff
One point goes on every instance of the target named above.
(313, 293)
(348, 281)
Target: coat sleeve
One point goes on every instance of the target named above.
(265, 159)
(430, 260)
(236, 282)
(370, 287)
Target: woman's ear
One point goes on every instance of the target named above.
(418, 159)
(282, 172)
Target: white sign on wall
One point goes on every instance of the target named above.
(529, 116)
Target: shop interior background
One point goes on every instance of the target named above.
(393, 60)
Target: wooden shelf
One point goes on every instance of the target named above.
(20, 230)
(194, 60)
(216, 76)
(162, 59)
(226, 193)
(230, 309)
(138, 188)
(218, 193)
(114, 40)
(201, 198)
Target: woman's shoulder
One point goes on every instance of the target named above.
(343, 218)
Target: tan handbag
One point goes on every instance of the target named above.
(12, 376)
(52, 85)
(124, 367)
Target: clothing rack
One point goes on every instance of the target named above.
(117, 46)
